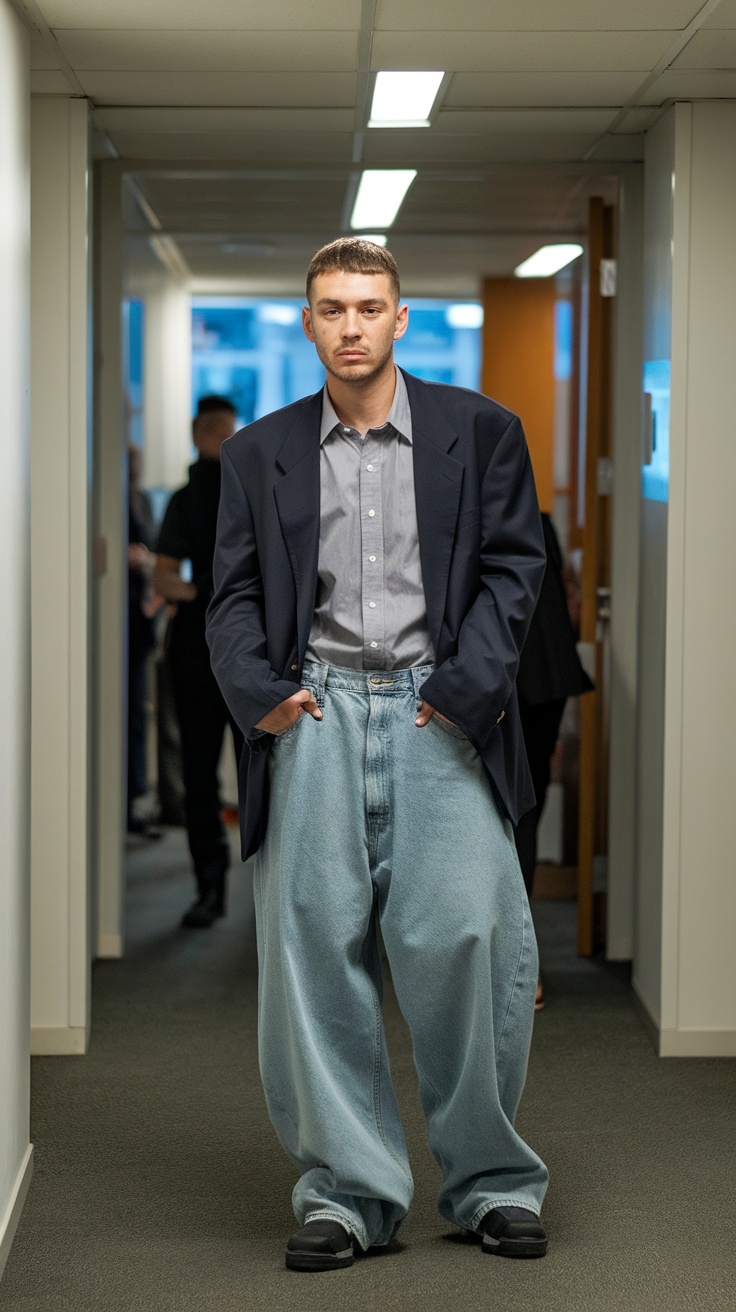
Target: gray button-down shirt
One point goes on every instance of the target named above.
(370, 612)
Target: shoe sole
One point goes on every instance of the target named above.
(514, 1247)
(319, 1261)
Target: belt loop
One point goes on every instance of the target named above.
(417, 678)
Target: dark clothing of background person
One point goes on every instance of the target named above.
(188, 533)
(141, 641)
(549, 673)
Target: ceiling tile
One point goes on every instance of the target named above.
(49, 82)
(249, 88)
(695, 85)
(526, 51)
(268, 147)
(223, 15)
(41, 55)
(714, 50)
(210, 51)
(484, 121)
(429, 149)
(226, 121)
(531, 16)
(724, 15)
(542, 88)
(233, 204)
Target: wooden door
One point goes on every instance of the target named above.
(595, 457)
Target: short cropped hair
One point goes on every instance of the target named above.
(208, 405)
(354, 255)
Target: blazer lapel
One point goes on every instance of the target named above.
(297, 496)
(438, 479)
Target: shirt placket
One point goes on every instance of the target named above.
(373, 583)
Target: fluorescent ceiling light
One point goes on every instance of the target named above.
(404, 100)
(465, 316)
(548, 260)
(379, 197)
(378, 238)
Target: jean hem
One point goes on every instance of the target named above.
(501, 1202)
(326, 1214)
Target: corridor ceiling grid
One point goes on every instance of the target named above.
(245, 121)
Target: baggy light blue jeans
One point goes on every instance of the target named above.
(368, 811)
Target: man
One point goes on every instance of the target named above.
(382, 541)
(188, 533)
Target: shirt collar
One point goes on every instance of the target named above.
(399, 416)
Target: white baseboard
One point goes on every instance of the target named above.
(684, 1043)
(58, 1041)
(697, 1043)
(9, 1222)
(110, 946)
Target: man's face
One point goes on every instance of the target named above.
(211, 430)
(353, 320)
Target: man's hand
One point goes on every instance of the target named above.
(287, 713)
(168, 583)
(425, 715)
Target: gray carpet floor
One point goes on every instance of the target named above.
(159, 1184)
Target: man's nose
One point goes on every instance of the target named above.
(352, 326)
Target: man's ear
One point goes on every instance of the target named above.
(402, 322)
(307, 322)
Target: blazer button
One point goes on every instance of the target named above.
(295, 667)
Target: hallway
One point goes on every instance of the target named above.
(159, 1184)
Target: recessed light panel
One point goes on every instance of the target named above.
(548, 260)
(379, 197)
(404, 100)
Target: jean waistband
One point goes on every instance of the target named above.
(371, 682)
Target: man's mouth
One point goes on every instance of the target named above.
(352, 355)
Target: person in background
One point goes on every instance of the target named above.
(188, 534)
(143, 606)
(549, 673)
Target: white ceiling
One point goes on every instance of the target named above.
(244, 121)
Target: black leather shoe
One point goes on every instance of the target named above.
(202, 913)
(320, 1246)
(513, 1232)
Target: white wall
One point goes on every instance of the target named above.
(60, 576)
(167, 402)
(685, 965)
(15, 1150)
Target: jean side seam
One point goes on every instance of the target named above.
(513, 986)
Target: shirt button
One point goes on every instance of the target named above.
(372, 559)
(374, 644)
(371, 513)
(369, 468)
(372, 605)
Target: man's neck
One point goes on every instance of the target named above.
(364, 406)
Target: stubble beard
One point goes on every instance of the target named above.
(361, 374)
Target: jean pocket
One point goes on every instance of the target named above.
(447, 727)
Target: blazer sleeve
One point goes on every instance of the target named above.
(236, 631)
(473, 686)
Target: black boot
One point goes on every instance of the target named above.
(210, 904)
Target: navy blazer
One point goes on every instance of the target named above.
(483, 559)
